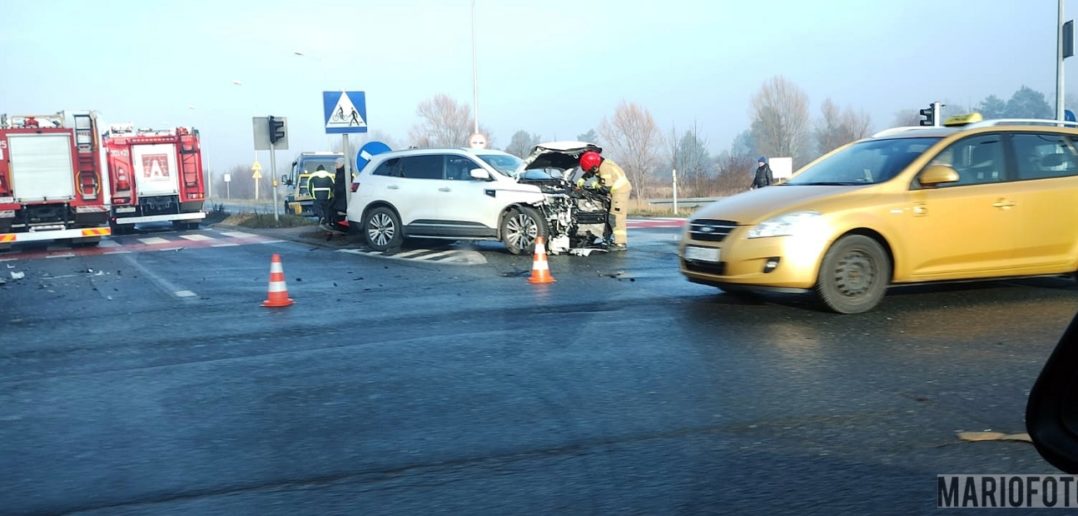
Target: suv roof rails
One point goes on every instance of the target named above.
(1020, 121)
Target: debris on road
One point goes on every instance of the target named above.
(993, 436)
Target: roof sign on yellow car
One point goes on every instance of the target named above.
(959, 120)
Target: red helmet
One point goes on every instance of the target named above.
(590, 160)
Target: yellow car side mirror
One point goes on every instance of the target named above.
(938, 174)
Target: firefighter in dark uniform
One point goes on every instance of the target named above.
(320, 184)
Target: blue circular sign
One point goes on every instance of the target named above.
(368, 151)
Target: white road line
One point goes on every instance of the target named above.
(63, 255)
(109, 243)
(161, 283)
(153, 241)
(185, 293)
(197, 237)
(118, 252)
(272, 242)
(437, 255)
(238, 234)
(225, 245)
(410, 253)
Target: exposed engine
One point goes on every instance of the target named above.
(576, 217)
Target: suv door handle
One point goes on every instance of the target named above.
(443, 189)
(392, 187)
(1003, 203)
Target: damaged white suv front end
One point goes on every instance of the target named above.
(576, 218)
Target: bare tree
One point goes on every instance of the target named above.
(689, 156)
(443, 123)
(522, 142)
(839, 127)
(734, 173)
(906, 118)
(633, 141)
(780, 119)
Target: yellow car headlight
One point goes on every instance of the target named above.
(789, 224)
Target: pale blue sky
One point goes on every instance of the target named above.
(553, 67)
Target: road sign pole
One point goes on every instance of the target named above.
(347, 162)
(273, 181)
(674, 173)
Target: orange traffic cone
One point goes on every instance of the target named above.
(540, 267)
(278, 291)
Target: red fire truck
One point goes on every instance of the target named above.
(155, 175)
(51, 178)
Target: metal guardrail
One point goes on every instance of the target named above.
(688, 202)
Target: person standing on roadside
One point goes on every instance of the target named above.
(320, 185)
(764, 177)
(612, 179)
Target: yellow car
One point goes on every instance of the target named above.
(991, 199)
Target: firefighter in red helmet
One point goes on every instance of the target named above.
(612, 179)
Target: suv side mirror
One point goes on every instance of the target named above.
(479, 173)
(286, 180)
(938, 174)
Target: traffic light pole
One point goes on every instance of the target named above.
(273, 181)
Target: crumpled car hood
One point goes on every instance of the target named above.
(563, 155)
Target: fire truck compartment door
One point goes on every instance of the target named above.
(42, 167)
(155, 169)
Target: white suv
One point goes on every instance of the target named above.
(458, 194)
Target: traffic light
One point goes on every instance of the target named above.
(276, 129)
(928, 114)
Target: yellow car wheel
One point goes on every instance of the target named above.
(854, 275)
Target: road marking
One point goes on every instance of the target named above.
(128, 244)
(185, 293)
(438, 255)
(410, 253)
(165, 285)
(449, 256)
(238, 234)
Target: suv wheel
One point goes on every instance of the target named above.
(382, 229)
(519, 229)
(854, 275)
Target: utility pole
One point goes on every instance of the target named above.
(475, 73)
(1059, 64)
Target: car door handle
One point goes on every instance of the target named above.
(393, 187)
(444, 189)
(1003, 203)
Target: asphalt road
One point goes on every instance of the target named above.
(145, 377)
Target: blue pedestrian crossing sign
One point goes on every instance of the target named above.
(345, 111)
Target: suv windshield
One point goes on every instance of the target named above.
(506, 164)
(863, 163)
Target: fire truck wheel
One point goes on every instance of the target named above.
(122, 229)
